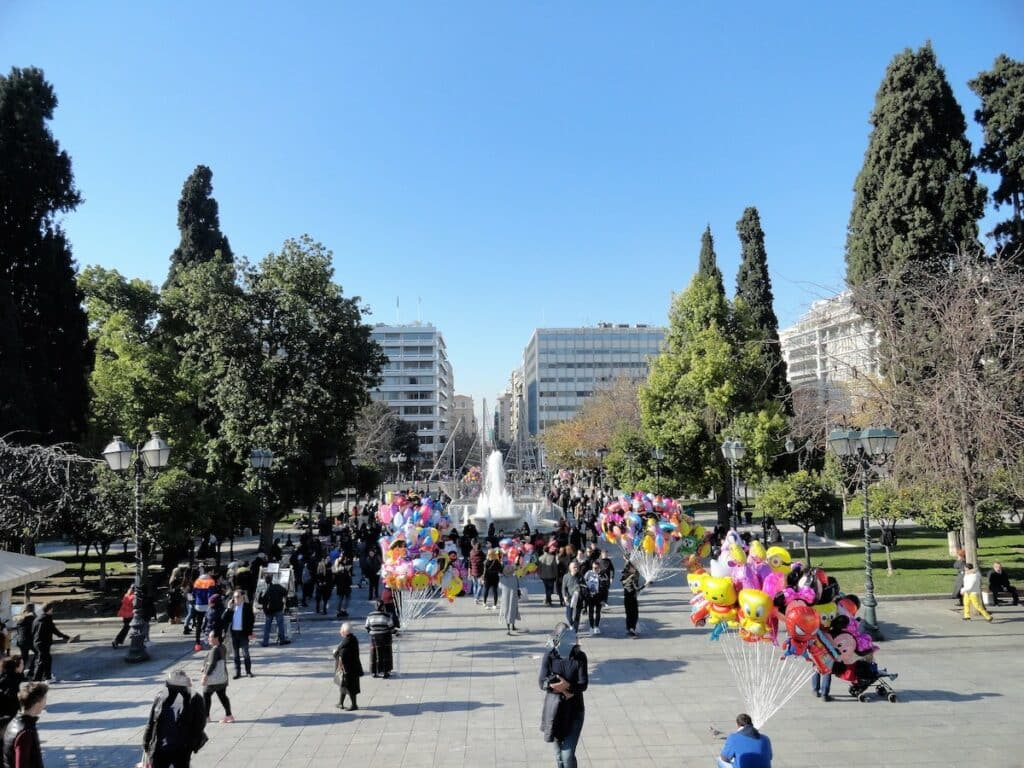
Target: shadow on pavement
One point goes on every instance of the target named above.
(619, 670)
(414, 708)
(938, 695)
(112, 756)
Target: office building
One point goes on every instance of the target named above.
(503, 418)
(562, 367)
(417, 382)
(828, 349)
(464, 415)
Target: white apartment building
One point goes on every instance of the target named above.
(503, 418)
(562, 367)
(417, 381)
(829, 347)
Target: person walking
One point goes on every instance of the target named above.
(214, 619)
(43, 632)
(563, 677)
(745, 741)
(381, 627)
(573, 595)
(21, 748)
(348, 667)
(125, 612)
(272, 602)
(547, 571)
(202, 588)
(343, 584)
(177, 724)
(631, 589)
(508, 587)
(476, 569)
(959, 565)
(971, 592)
(240, 621)
(323, 585)
(12, 675)
(371, 572)
(492, 574)
(215, 678)
(594, 582)
(821, 684)
(25, 625)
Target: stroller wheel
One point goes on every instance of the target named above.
(892, 698)
(881, 690)
(863, 697)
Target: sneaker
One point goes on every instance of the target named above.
(595, 631)
(197, 648)
(249, 674)
(237, 675)
(228, 719)
(284, 642)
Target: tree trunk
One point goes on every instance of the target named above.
(724, 498)
(888, 561)
(970, 527)
(807, 546)
(81, 570)
(267, 523)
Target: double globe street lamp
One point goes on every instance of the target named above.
(120, 456)
(733, 451)
(659, 456)
(862, 452)
(601, 453)
(398, 459)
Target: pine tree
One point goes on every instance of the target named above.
(754, 299)
(1001, 91)
(45, 354)
(199, 223)
(917, 196)
(708, 265)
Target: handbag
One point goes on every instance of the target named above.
(339, 674)
(219, 674)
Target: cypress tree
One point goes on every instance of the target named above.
(708, 265)
(199, 225)
(45, 355)
(917, 196)
(1001, 115)
(754, 294)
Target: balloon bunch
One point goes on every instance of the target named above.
(412, 563)
(650, 530)
(757, 592)
(521, 554)
(473, 475)
(405, 510)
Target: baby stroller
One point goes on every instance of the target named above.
(866, 674)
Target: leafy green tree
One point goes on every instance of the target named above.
(44, 349)
(287, 360)
(1001, 116)
(107, 291)
(801, 499)
(754, 291)
(707, 265)
(917, 196)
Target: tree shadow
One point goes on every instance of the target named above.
(305, 719)
(416, 708)
(87, 707)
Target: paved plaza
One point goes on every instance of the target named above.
(467, 696)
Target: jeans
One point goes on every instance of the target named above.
(279, 618)
(594, 612)
(821, 684)
(632, 606)
(549, 590)
(478, 586)
(565, 748)
(240, 641)
(487, 591)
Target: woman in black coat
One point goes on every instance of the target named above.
(11, 677)
(564, 678)
(347, 667)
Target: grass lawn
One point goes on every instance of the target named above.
(921, 563)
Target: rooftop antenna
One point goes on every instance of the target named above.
(419, 309)
(398, 304)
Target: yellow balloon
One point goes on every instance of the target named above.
(420, 581)
(648, 545)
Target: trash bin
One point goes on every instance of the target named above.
(986, 597)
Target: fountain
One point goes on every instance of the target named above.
(496, 505)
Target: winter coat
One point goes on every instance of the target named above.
(177, 721)
(547, 566)
(556, 719)
(492, 572)
(508, 598)
(346, 660)
(202, 588)
(127, 608)
(43, 632)
(476, 563)
(248, 618)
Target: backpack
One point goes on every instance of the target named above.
(593, 582)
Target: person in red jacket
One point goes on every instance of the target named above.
(125, 613)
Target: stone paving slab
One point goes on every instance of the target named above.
(467, 696)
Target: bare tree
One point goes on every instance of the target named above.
(953, 372)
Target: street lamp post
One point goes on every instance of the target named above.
(398, 459)
(330, 462)
(659, 456)
(862, 452)
(260, 459)
(119, 454)
(600, 453)
(733, 451)
(580, 453)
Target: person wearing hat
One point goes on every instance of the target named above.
(177, 724)
(547, 570)
(563, 677)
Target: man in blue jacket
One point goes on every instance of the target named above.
(746, 747)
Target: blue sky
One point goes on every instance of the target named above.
(503, 165)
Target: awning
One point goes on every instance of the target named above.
(17, 570)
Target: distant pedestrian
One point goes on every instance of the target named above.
(998, 582)
(508, 586)
(26, 622)
(12, 675)
(125, 612)
(21, 740)
(594, 581)
(272, 602)
(43, 632)
(381, 627)
(343, 584)
(176, 725)
(240, 621)
(547, 571)
(370, 569)
(476, 569)
(492, 573)
(202, 588)
(215, 678)
(323, 585)
(563, 677)
(971, 592)
(573, 592)
(631, 589)
(348, 667)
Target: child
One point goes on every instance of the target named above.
(971, 592)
